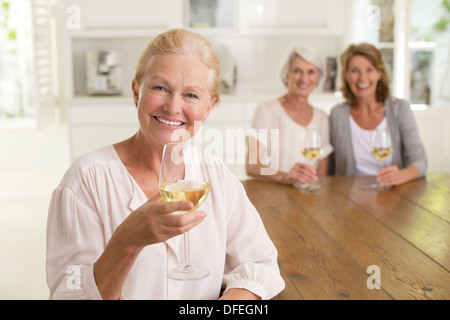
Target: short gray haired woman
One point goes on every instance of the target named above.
(307, 53)
(289, 116)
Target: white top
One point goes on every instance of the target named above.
(366, 164)
(283, 137)
(97, 193)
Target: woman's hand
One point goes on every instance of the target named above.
(154, 222)
(301, 172)
(393, 176)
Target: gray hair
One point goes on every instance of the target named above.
(307, 53)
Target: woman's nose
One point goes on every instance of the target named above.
(173, 105)
(362, 76)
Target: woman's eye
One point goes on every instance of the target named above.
(192, 96)
(159, 88)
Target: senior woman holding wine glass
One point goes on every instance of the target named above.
(291, 116)
(370, 110)
(110, 233)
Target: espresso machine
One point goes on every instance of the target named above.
(103, 72)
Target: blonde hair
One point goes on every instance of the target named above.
(307, 53)
(375, 57)
(184, 42)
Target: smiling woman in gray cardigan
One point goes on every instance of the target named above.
(368, 104)
(407, 148)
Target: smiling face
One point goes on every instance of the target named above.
(362, 77)
(302, 77)
(173, 96)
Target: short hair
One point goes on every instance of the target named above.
(375, 57)
(184, 42)
(307, 53)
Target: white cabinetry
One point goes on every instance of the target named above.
(107, 15)
(292, 17)
(95, 123)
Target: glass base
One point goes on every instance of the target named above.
(188, 273)
(377, 186)
(308, 187)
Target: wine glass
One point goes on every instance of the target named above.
(311, 149)
(380, 149)
(183, 177)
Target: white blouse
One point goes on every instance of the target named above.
(97, 193)
(283, 140)
(366, 164)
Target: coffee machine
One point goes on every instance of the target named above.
(103, 72)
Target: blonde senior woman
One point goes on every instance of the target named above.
(290, 115)
(110, 236)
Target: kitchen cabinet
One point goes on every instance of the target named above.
(292, 17)
(97, 122)
(134, 15)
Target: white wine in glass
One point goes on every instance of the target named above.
(192, 191)
(311, 149)
(381, 148)
(183, 177)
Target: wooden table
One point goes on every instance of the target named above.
(328, 239)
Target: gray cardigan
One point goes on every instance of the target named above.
(407, 146)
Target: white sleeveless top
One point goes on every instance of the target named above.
(366, 164)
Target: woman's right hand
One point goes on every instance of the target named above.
(154, 222)
(151, 223)
(301, 172)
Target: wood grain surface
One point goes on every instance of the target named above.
(328, 240)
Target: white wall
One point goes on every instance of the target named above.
(434, 129)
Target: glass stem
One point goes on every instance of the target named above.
(312, 164)
(187, 262)
(381, 167)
